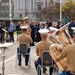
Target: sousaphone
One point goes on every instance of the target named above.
(60, 39)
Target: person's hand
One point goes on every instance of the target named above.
(56, 59)
(35, 61)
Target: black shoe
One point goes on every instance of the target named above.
(44, 69)
(26, 64)
(19, 64)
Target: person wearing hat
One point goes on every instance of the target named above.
(44, 44)
(24, 38)
(68, 52)
(26, 20)
(26, 23)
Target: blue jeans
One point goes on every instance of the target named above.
(64, 73)
(26, 56)
(38, 62)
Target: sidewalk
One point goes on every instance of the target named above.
(23, 70)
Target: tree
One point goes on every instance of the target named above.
(52, 11)
(57, 9)
(69, 8)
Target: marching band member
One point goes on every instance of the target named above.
(69, 53)
(24, 38)
(26, 23)
(44, 44)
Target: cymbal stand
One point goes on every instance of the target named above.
(3, 60)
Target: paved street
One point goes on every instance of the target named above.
(10, 62)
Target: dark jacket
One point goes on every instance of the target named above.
(1, 31)
(72, 24)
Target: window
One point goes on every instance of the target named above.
(31, 4)
(39, 7)
(4, 8)
(20, 15)
(37, 15)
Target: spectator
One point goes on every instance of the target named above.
(33, 28)
(18, 28)
(1, 32)
(11, 31)
(38, 37)
(49, 24)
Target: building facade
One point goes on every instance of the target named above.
(21, 8)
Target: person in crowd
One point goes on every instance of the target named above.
(42, 26)
(38, 37)
(49, 24)
(46, 25)
(72, 24)
(18, 28)
(33, 28)
(1, 32)
(26, 23)
(11, 30)
(26, 20)
(44, 44)
(61, 24)
(57, 25)
(24, 38)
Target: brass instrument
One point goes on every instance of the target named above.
(60, 39)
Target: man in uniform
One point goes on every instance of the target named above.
(25, 19)
(44, 44)
(69, 53)
(24, 38)
(26, 23)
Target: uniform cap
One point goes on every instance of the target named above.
(25, 18)
(23, 27)
(53, 29)
(73, 28)
(43, 31)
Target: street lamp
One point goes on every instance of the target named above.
(60, 10)
(10, 11)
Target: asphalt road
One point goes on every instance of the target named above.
(10, 62)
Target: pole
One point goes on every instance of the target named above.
(3, 64)
(10, 7)
(60, 10)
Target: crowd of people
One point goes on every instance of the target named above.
(35, 32)
(34, 26)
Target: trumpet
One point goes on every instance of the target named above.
(60, 39)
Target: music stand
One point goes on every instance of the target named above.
(4, 46)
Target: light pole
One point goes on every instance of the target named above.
(60, 10)
(10, 11)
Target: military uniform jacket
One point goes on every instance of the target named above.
(69, 53)
(41, 46)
